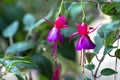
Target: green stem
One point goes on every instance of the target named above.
(60, 9)
(83, 12)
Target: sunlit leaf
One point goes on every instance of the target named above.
(109, 39)
(108, 72)
(89, 56)
(20, 47)
(11, 29)
(117, 53)
(109, 9)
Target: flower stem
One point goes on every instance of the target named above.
(60, 9)
(83, 12)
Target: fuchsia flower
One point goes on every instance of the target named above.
(84, 42)
(57, 72)
(55, 33)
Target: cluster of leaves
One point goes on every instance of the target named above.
(106, 36)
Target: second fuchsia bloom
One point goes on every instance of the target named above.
(84, 42)
(55, 33)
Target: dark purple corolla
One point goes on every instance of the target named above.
(84, 42)
(55, 33)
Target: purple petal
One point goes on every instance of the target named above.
(60, 37)
(53, 35)
(84, 42)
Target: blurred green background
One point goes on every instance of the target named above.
(23, 33)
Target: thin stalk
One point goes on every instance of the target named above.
(111, 55)
(83, 11)
(97, 58)
(11, 40)
(60, 9)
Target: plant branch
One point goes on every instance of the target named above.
(97, 58)
(115, 76)
(111, 55)
(98, 76)
(95, 74)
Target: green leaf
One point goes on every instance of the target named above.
(44, 65)
(20, 47)
(29, 26)
(15, 70)
(117, 53)
(86, 78)
(3, 61)
(90, 67)
(11, 29)
(19, 77)
(89, 57)
(69, 77)
(15, 62)
(99, 43)
(109, 39)
(67, 50)
(68, 31)
(109, 9)
(105, 30)
(74, 9)
(108, 72)
(116, 0)
(26, 58)
(108, 49)
(29, 19)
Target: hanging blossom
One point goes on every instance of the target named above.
(55, 33)
(84, 42)
(56, 72)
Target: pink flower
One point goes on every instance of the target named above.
(55, 33)
(57, 72)
(84, 42)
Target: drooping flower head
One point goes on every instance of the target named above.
(56, 72)
(84, 42)
(55, 33)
